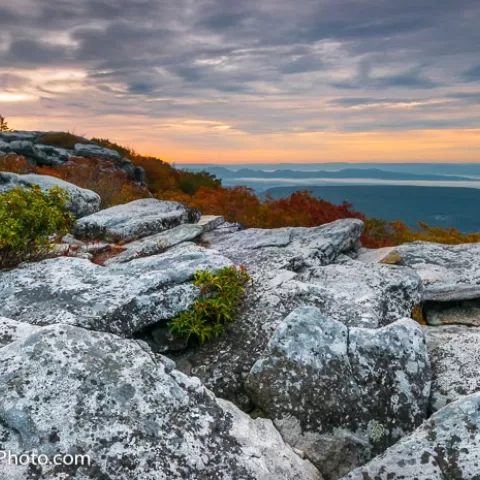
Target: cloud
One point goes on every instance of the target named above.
(259, 66)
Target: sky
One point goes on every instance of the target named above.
(245, 81)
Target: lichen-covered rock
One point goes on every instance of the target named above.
(446, 446)
(448, 272)
(95, 151)
(121, 298)
(134, 220)
(455, 356)
(289, 248)
(66, 390)
(157, 243)
(342, 395)
(82, 201)
(48, 155)
(11, 330)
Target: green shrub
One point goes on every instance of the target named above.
(61, 140)
(28, 216)
(220, 296)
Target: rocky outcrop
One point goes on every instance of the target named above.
(32, 146)
(446, 446)
(289, 270)
(82, 202)
(455, 356)
(448, 272)
(134, 220)
(342, 395)
(131, 413)
(122, 299)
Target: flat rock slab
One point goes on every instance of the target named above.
(82, 201)
(455, 356)
(64, 390)
(209, 222)
(122, 298)
(448, 272)
(342, 395)
(446, 446)
(157, 243)
(134, 220)
(289, 248)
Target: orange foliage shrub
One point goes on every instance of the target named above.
(15, 163)
(100, 176)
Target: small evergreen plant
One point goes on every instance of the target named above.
(220, 295)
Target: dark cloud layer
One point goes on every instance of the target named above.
(227, 58)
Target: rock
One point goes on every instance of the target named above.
(372, 295)
(48, 155)
(209, 222)
(464, 312)
(10, 331)
(140, 176)
(121, 298)
(133, 220)
(455, 356)
(90, 150)
(18, 136)
(82, 201)
(291, 248)
(342, 395)
(158, 243)
(5, 147)
(448, 272)
(446, 446)
(130, 412)
(22, 147)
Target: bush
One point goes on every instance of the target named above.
(62, 140)
(27, 217)
(220, 296)
(99, 175)
(15, 163)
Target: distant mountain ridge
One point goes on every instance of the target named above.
(373, 173)
(437, 206)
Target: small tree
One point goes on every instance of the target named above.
(3, 125)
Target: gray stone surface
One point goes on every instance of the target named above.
(158, 243)
(66, 390)
(134, 220)
(210, 222)
(455, 356)
(11, 330)
(445, 447)
(342, 395)
(449, 272)
(82, 201)
(122, 298)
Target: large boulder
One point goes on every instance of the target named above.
(446, 446)
(82, 201)
(65, 390)
(342, 395)
(455, 356)
(122, 298)
(134, 220)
